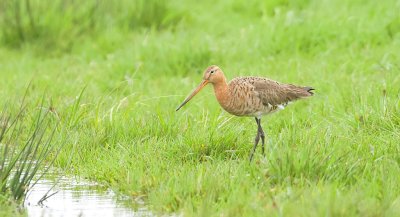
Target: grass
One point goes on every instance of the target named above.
(9, 207)
(26, 148)
(335, 154)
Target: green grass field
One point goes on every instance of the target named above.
(115, 84)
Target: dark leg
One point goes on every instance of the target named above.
(261, 132)
(257, 139)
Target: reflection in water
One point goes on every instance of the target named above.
(76, 199)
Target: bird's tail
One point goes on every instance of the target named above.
(309, 90)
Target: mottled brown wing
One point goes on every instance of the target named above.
(275, 93)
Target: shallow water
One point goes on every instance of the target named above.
(77, 198)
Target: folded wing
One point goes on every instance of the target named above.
(275, 93)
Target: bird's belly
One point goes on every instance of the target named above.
(257, 110)
(243, 108)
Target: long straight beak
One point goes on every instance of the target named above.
(195, 91)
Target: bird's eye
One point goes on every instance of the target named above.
(212, 71)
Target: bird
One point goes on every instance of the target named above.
(250, 97)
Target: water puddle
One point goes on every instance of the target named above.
(77, 198)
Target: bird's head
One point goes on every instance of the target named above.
(213, 75)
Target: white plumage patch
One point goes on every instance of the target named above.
(281, 107)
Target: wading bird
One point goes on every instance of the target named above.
(250, 96)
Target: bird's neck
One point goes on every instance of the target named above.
(221, 90)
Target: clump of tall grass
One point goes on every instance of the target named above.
(26, 148)
(60, 23)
